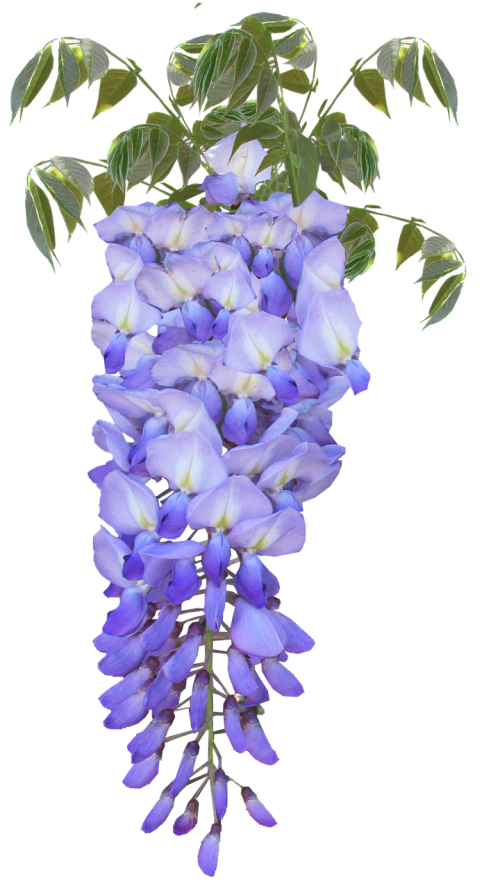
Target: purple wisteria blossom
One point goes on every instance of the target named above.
(226, 338)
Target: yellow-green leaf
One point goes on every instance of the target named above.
(296, 81)
(109, 197)
(410, 242)
(114, 86)
(372, 87)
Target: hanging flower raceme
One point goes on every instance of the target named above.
(226, 338)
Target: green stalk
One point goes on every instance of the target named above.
(402, 219)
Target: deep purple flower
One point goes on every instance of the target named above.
(159, 812)
(232, 725)
(257, 743)
(199, 697)
(220, 792)
(208, 855)
(256, 809)
(186, 767)
(188, 820)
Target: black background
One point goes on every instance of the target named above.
(372, 584)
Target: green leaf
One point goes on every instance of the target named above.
(204, 73)
(114, 86)
(431, 71)
(158, 146)
(189, 161)
(372, 87)
(409, 70)
(118, 161)
(165, 165)
(40, 220)
(69, 221)
(241, 94)
(172, 124)
(296, 81)
(68, 70)
(225, 46)
(448, 84)
(262, 36)
(282, 47)
(267, 17)
(58, 91)
(359, 245)
(196, 45)
(39, 78)
(109, 196)
(437, 269)
(305, 57)
(75, 173)
(305, 152)
(176, 76)
(436, 245)
(358, 214)
(22, 83)
(95, 59)
(135, 138)
(193, 190)
(410, 242)
(63, 196)
(267, 90)
(261, 130)
(446, 299)
(185, 95)
(387, 59)
(245, 59)
(185, 62)
(272, 157)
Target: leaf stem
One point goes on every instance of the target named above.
(402, 219)
(286, 129)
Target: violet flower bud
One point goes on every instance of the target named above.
(185, 581)
(159, 812)
(208, 855)
(276, 298)
(257, 743)
(232, 725)
(240, 421)
(199, 697)
(283, 384)
(143, 772)
(256, 809)
(151, 738)
(262, 264)
(198, 321)
(180, 665)
(186, 767)
(215, 558)
(215, 603)
(187, 821)
(220, 792)
(172, 523)
(281, 679)
(240, 672)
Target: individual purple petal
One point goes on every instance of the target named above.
(198, 321)
(244, 385)
(127, 505)
(254, 458)
(130, 712)
(215, 558)
(257, 743)
(172, 228)
(208, 855)
(240, 421)
(221, 189)
(249, 581)
(307, 461)
(262, 264)
(129, 614)
(232, 725)
(185, 581)
(109, 438)
(187, 413)
(199, 697)
(207, 393)
(109, 553)
(114, 353)
(244, 163)
(225, 505)
(173, 520)
(158, 694)
(180, 665)
(358, 376)
(124, 658)
(156, 634)
(279, 534)
(220, 792)
(187, 821)
(125, 222)
(254, 340)
(295, 254)
(260, 695)
(215, 603)
(306, 490)
(229, 289)
(124, 264)
(254, 633)
(194, 361)
(296, 640)
(151, 738)
(187, 461)
(120, 304)
(284, 385)
(330, 328)
(240, 673)
(241, 244)
(275, 233)
(186, 767)
(123, 689)
(323, 271)
(159, 812)
(221, 323)
(142, 773)
(256, 809)
(281, 679)
(318, 216)
(276, 298)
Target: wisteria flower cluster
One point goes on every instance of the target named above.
(226, 337)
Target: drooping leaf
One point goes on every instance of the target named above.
(305, 57)
(76, 174)
(39, 78)
(437, 269)
(185, 62)
(305, 152)
(113, 87)
(63, 196)
(409, 69)
(173, 125)
(158, 145)
(262, 35)
(359, 214)
(204, 72)
(410, 242)
(241, 94)
(189, 161)
(440, 80)
(69, 221)
(185, 95)
(165, 165)
(372, 87)
(359, 245)
(109, 197)
(175, 74)
(387, 59)
(58, 91)
(225, 47)
(182, 194)
(445, 300)
(68, 72)
(40, 220)
(22, 83)
(245, 59)
(196, 45)
(95, 59)
(267, 90)
(282, 47)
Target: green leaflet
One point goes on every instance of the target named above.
(172, 124)
(296, 81)
(305, 57)
(39, 78)
(358, 214)
(262, 35)
(359, 244)
(245, 59)
(288, 44)
(185, 95)
(387, 59)
(410, 242)
(439, 268)
(436, 245)
(189, 161)
(409, 70)
(158, 146)
(267, 90)
(306, 160)
(58, 91)
(260, 130)
(109, 196)
(272, 157)
(69, 220)
(75, 173)
(113, 87)
(40, 220)
(95, 59)
(372, 87)
(63, 196)
(68, 72)
(21, 84)
(448, 84)
(446, 299)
